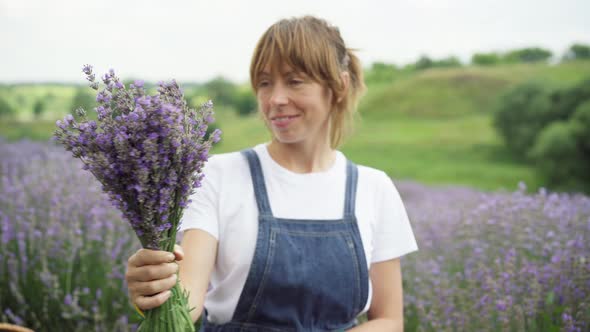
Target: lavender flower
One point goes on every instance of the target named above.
(148, 153)
(55, 231)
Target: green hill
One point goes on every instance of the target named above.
(461, 91)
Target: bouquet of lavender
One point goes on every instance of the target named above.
(148, 153)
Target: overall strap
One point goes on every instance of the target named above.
(258, 182)
(351, 184)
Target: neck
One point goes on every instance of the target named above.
(301, 157)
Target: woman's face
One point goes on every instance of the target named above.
(295, 108)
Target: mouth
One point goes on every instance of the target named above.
(282, 117)
(283, 120)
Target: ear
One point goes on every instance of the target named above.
(345, 77)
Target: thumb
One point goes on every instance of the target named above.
(178, 252)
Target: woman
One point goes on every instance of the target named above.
(290, 235)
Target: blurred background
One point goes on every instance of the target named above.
(479, 93)
(479, 110)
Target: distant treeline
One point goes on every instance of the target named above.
(383, 72)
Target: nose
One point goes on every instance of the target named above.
(279, 95)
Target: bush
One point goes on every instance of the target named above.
(38, 108)
(563, 151)
(581, 126)
(221, 91)
(424, 62)
(485, 59)
(521, 115)
(6, 110)
(577, 52)
(245, 101)
(559, 157)
(531, 54)
(551, 129)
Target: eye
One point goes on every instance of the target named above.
(263, 84)
(295, 82)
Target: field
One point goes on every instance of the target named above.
(487, 261)
(498, 251)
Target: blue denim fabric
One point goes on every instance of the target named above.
(306, 275)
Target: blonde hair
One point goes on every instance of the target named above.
(314, 47)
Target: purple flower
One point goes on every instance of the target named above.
(216, 135)
(68, 300)
(87, 69)
(142, 152)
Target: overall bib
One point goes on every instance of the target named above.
(306, 275)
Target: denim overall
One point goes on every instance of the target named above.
(306, 275)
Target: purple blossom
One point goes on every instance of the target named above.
(144, 144)
(87, 69)
(495, 258)
(52, 213)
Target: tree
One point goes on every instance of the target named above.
(6, 110)
(424, 62)
(521, 115)
(577, 52)
(531, 54)
(221, 91)
(451, 61)
(550, 128)
(485, 59)
(38, 108)
(245, 101)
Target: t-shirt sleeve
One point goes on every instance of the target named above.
(202, 211)
(393, 235)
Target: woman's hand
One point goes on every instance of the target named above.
(150, 276)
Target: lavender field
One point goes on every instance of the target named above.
(487, 261)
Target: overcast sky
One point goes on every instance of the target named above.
(50, 40)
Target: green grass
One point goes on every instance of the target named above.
(464, 150)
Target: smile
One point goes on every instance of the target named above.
(283, 121)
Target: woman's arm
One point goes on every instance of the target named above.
(199, 250)
(386, 312)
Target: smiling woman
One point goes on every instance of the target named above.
(290, 235)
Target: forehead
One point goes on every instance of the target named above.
(279, 68)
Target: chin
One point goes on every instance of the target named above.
(287, 139)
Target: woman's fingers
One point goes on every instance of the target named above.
(150, 275)
(150, 257)
(150, 288)
(178, 252)
(151, 294)
(151, 272)
(151, 302)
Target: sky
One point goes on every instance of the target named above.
(194, 41)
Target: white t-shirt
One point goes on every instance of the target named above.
(225, 207)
